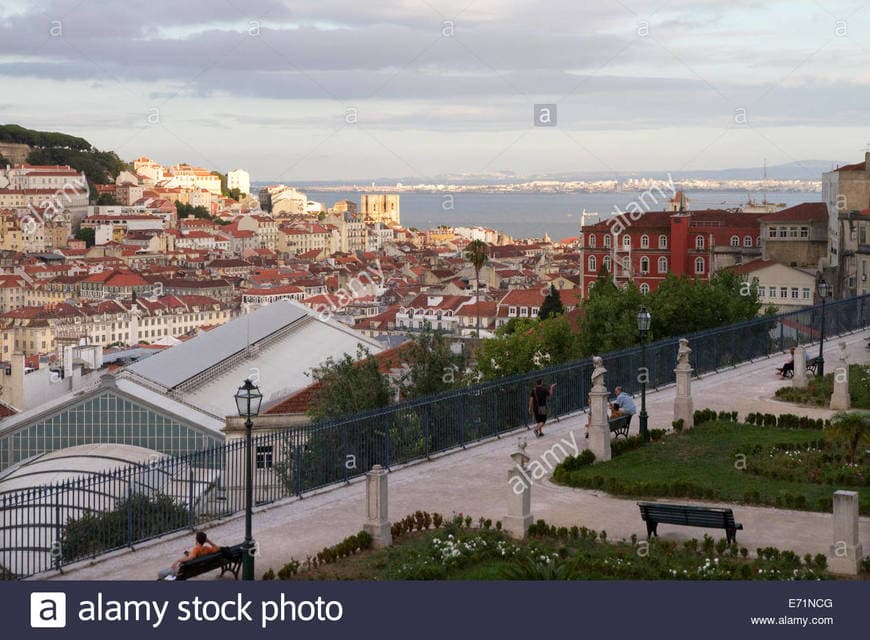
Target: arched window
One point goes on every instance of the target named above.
(644, 265)
(699, 265)
(607, 241)
(626, 264)
(644, 241)
(606, 262)
(747, 242)
(644, 288)
(663, 265)
(592, 240)
(663, 241)
(593, 264)
(699, 242)
(626, 240)
(735, 241)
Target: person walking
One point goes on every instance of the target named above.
(538, 405)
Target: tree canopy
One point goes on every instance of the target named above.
(433, 366)
(552, 305)
(349, 385)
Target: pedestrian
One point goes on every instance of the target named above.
(623, 403)
(538, 405)
(203, 547)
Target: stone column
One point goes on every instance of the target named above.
(377, 523)
(846, 552)
(519, 503)
(840, 398)
(684, 408)
(599, 429)
(799, 380)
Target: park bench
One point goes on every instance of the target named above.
(227, 559)
(655, 513)
(619, 425)
(813, 365)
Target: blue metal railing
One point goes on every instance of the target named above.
(50, 526)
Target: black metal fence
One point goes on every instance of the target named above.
(47, 527)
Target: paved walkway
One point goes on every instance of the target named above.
(474, 482)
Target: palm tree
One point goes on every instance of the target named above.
(477, 253)
(850, 429)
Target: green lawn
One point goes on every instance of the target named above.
(703, 463)
(461, 553)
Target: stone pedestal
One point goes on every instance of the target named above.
(599, 429)
(840, 399)
(799, 380)
(519, 500)
(846, 552)
(377, 502)
(684, 408)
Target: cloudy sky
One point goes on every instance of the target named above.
(340, 89)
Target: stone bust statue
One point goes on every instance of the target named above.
(598, 372)
(683, 352)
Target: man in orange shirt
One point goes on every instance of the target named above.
(203, 547)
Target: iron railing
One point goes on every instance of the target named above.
(50, 526)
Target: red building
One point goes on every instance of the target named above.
(645, 247)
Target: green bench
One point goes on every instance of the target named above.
(655, 513)
(620, 425)
(228, 559)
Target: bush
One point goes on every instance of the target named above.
(678, 425)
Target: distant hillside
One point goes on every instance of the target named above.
(50, 147)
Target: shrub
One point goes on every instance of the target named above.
(269, 575)
(678, 425)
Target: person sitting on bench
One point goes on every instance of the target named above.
(788, 367)
(203, 547)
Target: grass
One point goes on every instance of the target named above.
(704, 463)
(818, 391)
(549, 553)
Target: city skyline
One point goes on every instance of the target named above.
(327, 91)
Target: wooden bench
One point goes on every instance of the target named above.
(655, 513)
(227, 559)
(620, 425)
(813, 365)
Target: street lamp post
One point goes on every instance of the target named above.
(248, 399)
(643, 322)
(824, 290)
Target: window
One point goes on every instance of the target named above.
(806, 293)
(772, 292)
(761, 291)
(783, 292)
(264, 456)
(592, 240)
(747, 241)
(794, 293)
(593, 264)
(626, 241)
(699, 242)
(512, 312)
(663, 265)
(663, 241)
(805, 232)
(792, 232)
(534, 311)
(644, 241)
(607, 241)
(644, 288)
(524, 312)
(626, 264)
(606, 261)
(735, 241)
(783, 232)
(699, 265)
(644, 265)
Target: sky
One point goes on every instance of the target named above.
(339, 90)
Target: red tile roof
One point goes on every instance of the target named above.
(804, 212)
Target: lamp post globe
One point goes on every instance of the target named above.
(248, 399)
(644, 319)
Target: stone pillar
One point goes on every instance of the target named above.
(799, 380)
(840, 398)
(599, 429)
(377, 523)
(684, 408)
(846, 552)
(519, 503)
